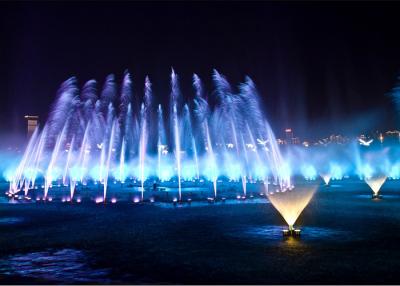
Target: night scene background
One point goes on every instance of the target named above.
(316, 65)
(199, 143)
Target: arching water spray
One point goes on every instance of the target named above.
(50, 169)
(68, 161)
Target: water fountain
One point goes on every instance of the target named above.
(375, 183)
(290, 203)
(326, 177)
(94, 138)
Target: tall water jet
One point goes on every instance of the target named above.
(122, 162)
(67, 163)
(72, 186)
(244, 171)
(188, 143)
(105, 146)
(83, 153)
(175, 124)
(144, 123)
(202, 112)
(16, 180)
(50, 169)
(278, 165)
(291, 203)
(102, 160)
(26, 187)
(244, 184)
(161, 141)
(65, 106)
(110, 150)
(196, 159)
(212, 162)
(108, 94)
(253, 143)
(125, 121)
(142, 149)
(38, 155)
(177, 150)
(126, 96)
(375, 183)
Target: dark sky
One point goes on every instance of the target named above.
(320, 67)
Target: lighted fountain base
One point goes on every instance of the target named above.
(376, 196)
(294, 232)
(181, 202)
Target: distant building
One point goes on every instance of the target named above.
(288, 135)
(393, 136)
(338, 139)
(280, 141)
(32, 123)
(296, 140)
(290, 138)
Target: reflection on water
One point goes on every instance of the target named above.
(216, 203)
(272, 232)
(384, 196)
(10, 220)
(62, 266)
(5, 200)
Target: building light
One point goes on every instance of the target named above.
(32, 123)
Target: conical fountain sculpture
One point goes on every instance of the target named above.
(290, 204)
(375, 183)
(326, 177)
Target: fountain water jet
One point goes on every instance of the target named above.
(175, 123)
(110, 150)
(68, 161)
(290, 203)
(219, 138)
(326, 177)
(122, 162)
(72, 185)
(375, 183)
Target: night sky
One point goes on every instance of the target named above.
(320, 67)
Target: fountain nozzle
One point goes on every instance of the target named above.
(376, 196)
(291, 232)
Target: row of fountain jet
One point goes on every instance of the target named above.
(91, 136)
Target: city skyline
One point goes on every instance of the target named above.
(285, 137)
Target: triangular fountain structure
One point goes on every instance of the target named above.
(375, 183)
(291, 203)
(326, 177)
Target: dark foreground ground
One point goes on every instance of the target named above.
(346, 238)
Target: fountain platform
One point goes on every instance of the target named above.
(291, 232)
(376, 196)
